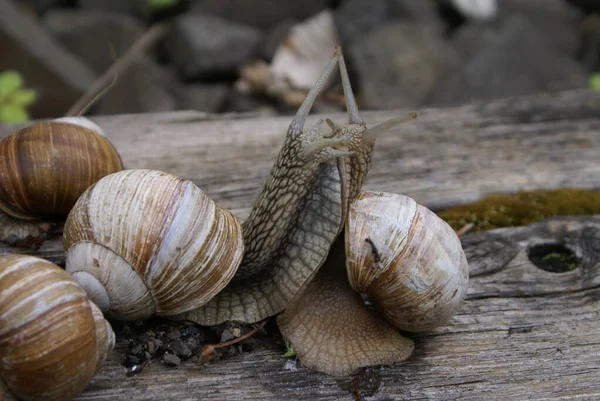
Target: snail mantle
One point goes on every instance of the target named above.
(527, 329)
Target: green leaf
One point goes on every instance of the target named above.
(10, 81)
(162, 4)
(13, 113)
(289, 350)
(22, 97)
(595, 81)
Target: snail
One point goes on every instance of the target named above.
(52, 338)
(44, 168)
(292, 247)
(405, 259)
(298, 214)
(396, 253)
(144, 242)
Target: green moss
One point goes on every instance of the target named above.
(567, 262)
(522, 208)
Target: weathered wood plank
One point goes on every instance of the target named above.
(445, 157)
(523, 333)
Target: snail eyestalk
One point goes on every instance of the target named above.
(374, 132)
(353, 115)
(297, 123)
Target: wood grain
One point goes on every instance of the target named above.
(445, 157)
(523, 333)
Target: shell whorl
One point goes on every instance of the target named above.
(52, 338)
(146, 242)
(406, 258)
(45, 167)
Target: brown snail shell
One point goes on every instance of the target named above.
(144, 242)
(407, 259)
(52, 338)
(45, 167)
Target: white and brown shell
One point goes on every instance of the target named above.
(406, 259)
(52, 338)
(144, 242)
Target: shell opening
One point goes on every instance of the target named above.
(128, 297)
(94, 289)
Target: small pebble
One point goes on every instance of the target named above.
(181, 349)
(151, 346)
(291, 366)
(137, 349)
(227, 335)
(189, 331)
(170, 359)
(192, 343)
(174, 334)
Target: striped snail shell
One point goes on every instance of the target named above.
(46, 166)
(52, 338)
(144, 242)
(406, 259)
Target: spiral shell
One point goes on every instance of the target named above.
(144, 242)
(52, 338)
(45, 167)
(407, 259)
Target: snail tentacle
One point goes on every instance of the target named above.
(292, 225)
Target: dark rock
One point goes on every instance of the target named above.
(173, 335)
(274, 37)
(399, 64)
(259, 13)
(588, 52)
(356, 18)
(470, 39)
(188, 331)
(137, 8)
(203, 97)
(201, 45)
(91, 34)
(181, 349)
(519, 61)
(151, 347)
(41, 6)
(588, 6)
(554, 19)
(424, 11)
(228, 334)
(59, 76)
(137, 349)
(170, 359)
(473, 10)
(192, 343)
(240, 102)
(144, 87)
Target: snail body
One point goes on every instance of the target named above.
(144, 242)
(310, 223)
(407, 261)
(52, 338)
(45, 167)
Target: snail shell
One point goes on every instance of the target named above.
(406, 258)
(144, 242)
(45, 167)
(401, 255)
(52, 338)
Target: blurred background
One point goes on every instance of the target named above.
(261, 56)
